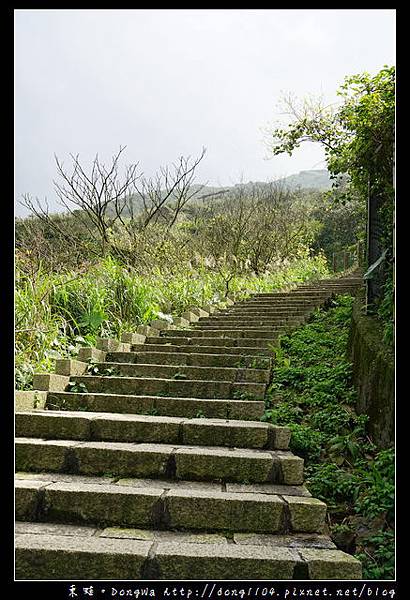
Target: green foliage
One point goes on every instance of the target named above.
(378, 496)
(367, 119)
(79, 388)
(57, 313)
(311, 392)
(342, 224)
(357, 136)
(386, 309)
(378, 559)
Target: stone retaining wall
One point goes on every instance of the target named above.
(373, 375)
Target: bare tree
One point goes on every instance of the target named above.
(170, 188)
(96, 199)
(101, 198)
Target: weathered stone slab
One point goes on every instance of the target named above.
(220, 350)
(53, 425)
(174, 371)
(128, 533)
(26, 498)
(190, 316)
(41, 455)
(133, 338)
(209, 308)
(199, 389)
(146, 331)
(96, 384)
(54, 529)
(166, 484)
(306, 514)
(114, 458)
(69, 366)
(225, 464)
(223, 561)
(193, 509)
(65, 557)
(89, 353)
(142, 428)
(50, 382)
(100, 504)
(113, 345)
(232, 433)
(331, 564)
(268, 488)
(164, 536)
(295, 540)
(64, 477)
(161, 324)
(279, 437)
(289, 466)
(29, 400)
(181, 322)
(204, 407)
(99, 402)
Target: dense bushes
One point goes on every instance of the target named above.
(312, 379)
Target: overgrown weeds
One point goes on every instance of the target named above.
(57, 313)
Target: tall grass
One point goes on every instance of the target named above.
(58, 313)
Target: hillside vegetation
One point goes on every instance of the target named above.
(108, 264)
(312, 393)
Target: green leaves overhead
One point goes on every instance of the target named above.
(357, 135)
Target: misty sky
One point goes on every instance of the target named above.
(166, 82)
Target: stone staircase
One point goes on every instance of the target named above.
(160, 468)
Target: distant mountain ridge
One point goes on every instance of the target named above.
(315, 179)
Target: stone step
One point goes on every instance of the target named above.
(285, 299)
(168, 484)
(223, 408)
(197, 463)
(343, 287)
(189, 508)
(277, 301)
(308, 292)
(336, 282)
(161, 371)
(274, 303)
(255, 313)
(190, 359)
(193, 388)
(245, 342)
(47, 551)
(231, 329)
(164, 346)
(112, 427)
(305, 294)
(255, 318)
(259, 323)
(258, 333)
